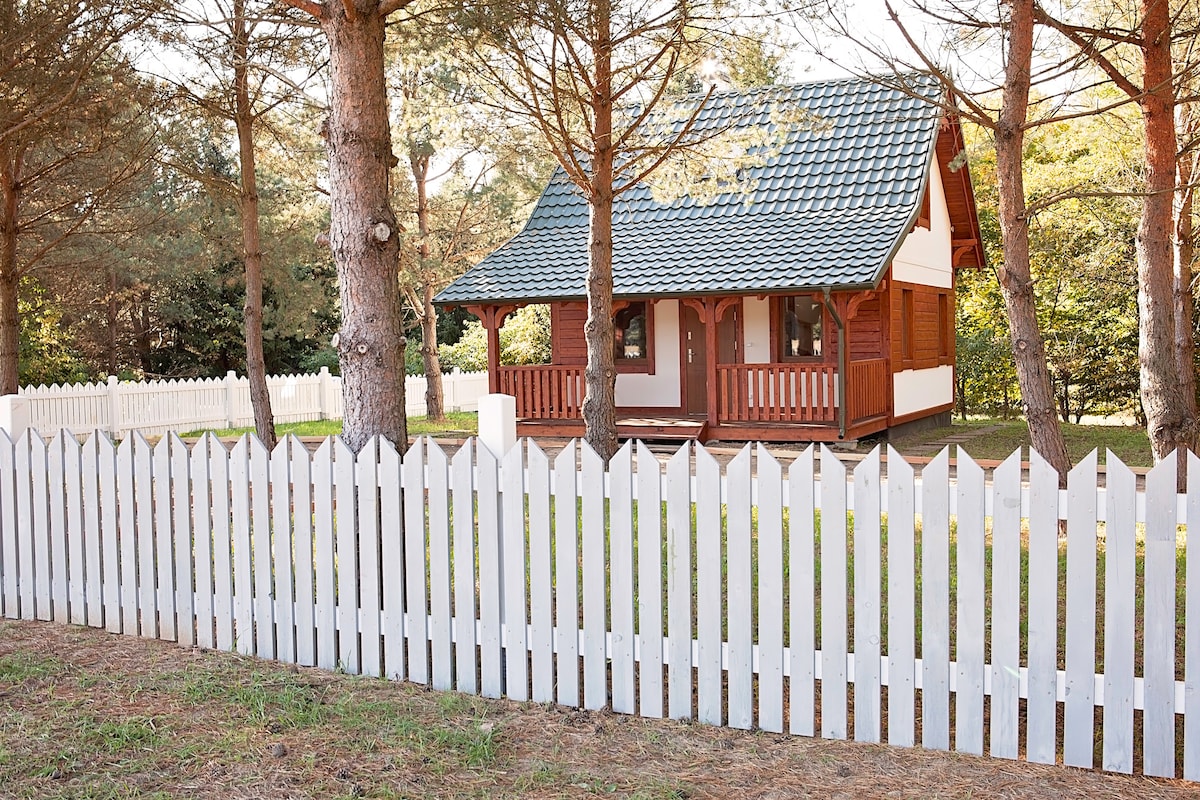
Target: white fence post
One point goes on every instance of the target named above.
(231, 399)
(327, 386)
(498, 422)
(114, 405)
(14, 415)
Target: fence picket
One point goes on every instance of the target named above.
(802, 596)
(595, 668)
(679, 584)
(416, 604)
(649, 583)
(282, 525)
(867, 581)
(259, 545)
(324, 549)
(739, 618)
(202, 524)
(512, 530)
(770, 591)
(77, 541)
(440, 619)
(366, 472)
(1041, 726)
(391, 550)
(620, 535)
(901, 594)
(127, 536)
(1006, 607)
(1158, 670)
(241, 546)
(61, 580)
(709, 558)
(8, 528)
(345, 540)
(466, 664)
(541, 577)
(969, 594)
(163, 536)
(38, 520)
(1191, 635)
(833, 596)
(183, 548)
(1120, 562)
(1079, 708)
(935, 603)
(89, 465)
(491, 652)
(143, 498)
(566, 575)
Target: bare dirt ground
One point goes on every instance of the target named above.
(87, 714)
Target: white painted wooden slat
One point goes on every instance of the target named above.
(739, 620)
(709, 675)
(541, 577)
(391, 549)
(164, 541)
(127, 525)
(1158, 721)
(25, 533)
(595, 667)
(1079, 708)
(415, 603)
(345, 524)
(440, 618)
(491, 652)
(370, 600)
(89, 467)
(770, 592)
(620, 527)
(202, 525)
(679, 584)
(1041, 726)
(935, 603)
(1191, 635)
(111, 557)
(512, 530)
(181, 545)
(61, 580)
(261, 549)
(77, 541)
(868, 580)
(466, 663)
(802, 595)
(282, 548)
(969, 625)
(8, 528)
(242, 545)
(324, 556)
(566, 575)
(833, 596)
(40, 523)
(1120, 562)
(143, 488)
(901, 599)
(302, 543)
(1006, 608)
(222, 538)
(650, 582)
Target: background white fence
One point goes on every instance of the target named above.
(157, 407)
(783, 596)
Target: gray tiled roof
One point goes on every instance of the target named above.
(830, 210)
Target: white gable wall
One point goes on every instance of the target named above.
(662, 388)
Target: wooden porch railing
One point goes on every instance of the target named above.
(545, 391)
(867, 388)
(776, 393)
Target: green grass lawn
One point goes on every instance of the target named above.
(457, 423)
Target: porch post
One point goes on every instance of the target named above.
(492, 318)
(710, 359)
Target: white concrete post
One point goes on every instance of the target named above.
(14, 415)
(114, 405)
(498, 423)
(231, 415)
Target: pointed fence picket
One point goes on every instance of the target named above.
(684, 588)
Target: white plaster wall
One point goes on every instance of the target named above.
(756, 330)
(661, 388)
(926, 255)
(919, 389)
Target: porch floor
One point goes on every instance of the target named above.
(681, 428)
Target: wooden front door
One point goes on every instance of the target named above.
(695, 391)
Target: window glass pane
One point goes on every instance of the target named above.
(800, 328)
(630, 332)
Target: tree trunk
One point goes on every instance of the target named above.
(256, 368)
(363, 230)
(10, 331)
(112, 309)
(434, 406)
(1169, 422)
(1016, 282)
(600, 375)
(1185, 254)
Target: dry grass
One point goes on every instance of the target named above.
(86, 714)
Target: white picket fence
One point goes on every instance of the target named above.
(683, 589)
(157, 407)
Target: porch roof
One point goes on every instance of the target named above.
(829, 211)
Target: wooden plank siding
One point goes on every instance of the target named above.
(567, 345)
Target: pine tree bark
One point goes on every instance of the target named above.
(434, 403)
(1016, 281)
(600, 375)
(1170, 423)
(252, 257)
(363, 230)
(10, 189)
(1185, 255)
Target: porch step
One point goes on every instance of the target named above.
(661, 429)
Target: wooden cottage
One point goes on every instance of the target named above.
(816, 304)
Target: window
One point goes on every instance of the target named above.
(799, 328)
(632, 337)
